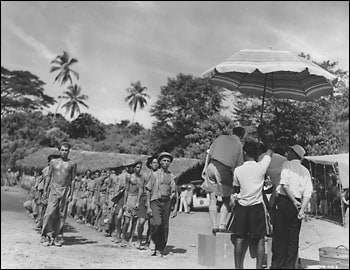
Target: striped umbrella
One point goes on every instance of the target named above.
(269, 73)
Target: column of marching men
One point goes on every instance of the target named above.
(116, 205)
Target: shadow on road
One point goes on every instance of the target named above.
(76, 240)
(69, 228)
(308, 262)
(175, 250)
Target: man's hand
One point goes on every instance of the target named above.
(297, 205)
(174, 213)
(301, 214)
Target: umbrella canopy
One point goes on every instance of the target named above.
(269, 73)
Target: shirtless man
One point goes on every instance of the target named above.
(61, 181)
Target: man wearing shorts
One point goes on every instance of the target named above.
(224, 155)
(249, 218)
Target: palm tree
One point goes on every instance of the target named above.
(74, 99)
(63, 64)
(136, 97)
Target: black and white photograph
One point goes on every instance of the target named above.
(175, 134)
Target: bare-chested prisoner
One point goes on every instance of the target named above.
(61, 181)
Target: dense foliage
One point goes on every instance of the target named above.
(183, 104)
(188, 116)
(22, 91)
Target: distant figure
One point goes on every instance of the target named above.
(61, 181)
(183, 197)
(345, 199)
(322, 196)
(189, 197)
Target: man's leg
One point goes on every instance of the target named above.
(125, 230)
(213, 212)
(281, 229)
(165, 225)
(140, 228)
(239, 253)
(181, 203)
(293, 245)
(260, 253)
(155, 224)
(224, 210)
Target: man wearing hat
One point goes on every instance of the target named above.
(160, 190)
(293, 195)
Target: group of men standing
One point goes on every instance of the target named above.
(108, 201)
(235, 171)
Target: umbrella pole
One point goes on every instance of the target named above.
(263, 101)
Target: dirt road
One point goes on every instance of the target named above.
(84, 247)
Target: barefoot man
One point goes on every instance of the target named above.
(61, 181)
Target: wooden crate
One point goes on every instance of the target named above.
(334, 257)
(206, 249)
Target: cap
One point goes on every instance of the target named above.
(300, 151)
(165, 154)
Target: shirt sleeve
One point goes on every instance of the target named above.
(235, 179)
(285, 174)
(240, 159)
(308, 187)
(150, 183)
(265, 162)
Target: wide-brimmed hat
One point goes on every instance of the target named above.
(149, 161)
(165, 154)
(129, 162)
(300, 151)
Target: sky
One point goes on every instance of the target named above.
(117, 43)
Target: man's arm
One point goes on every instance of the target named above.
(74, 170)
(48, 179)
(291, 196)
(205, 165)
(176, 195)
(141, 189)
(126, 190)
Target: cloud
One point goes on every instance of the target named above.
(40, 48)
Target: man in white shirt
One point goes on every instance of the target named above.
(293, 195)
(249, 219)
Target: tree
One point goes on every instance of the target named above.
(63, 64)
(136, 97)
(204, 135)
(85, 125)
(22, 91)
(182, 105)
(74, 99)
